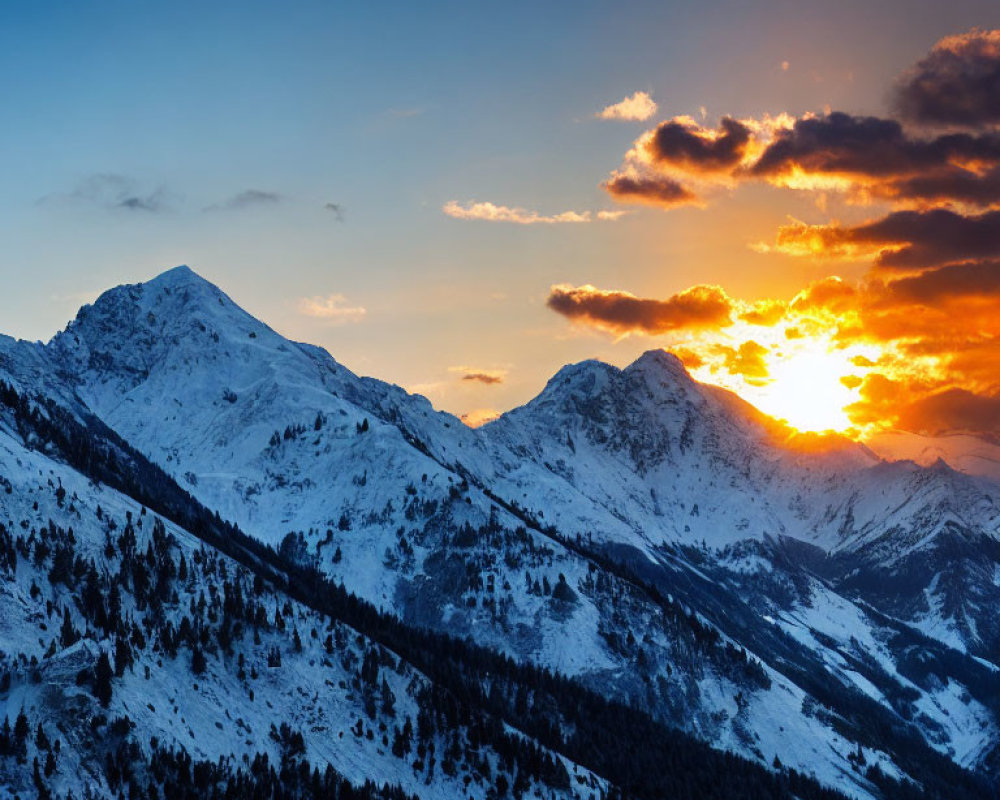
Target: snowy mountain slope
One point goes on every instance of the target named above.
(397, 525)
(645, 456)
(219, 674)
(450, 527)
(88, 571)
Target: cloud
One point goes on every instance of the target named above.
(482, 377)
(336, 209)
(332, 309)
(637, 107)
(829, 294)
(622, 313)
(683, 143)
(489, 377)
(901, 240)
(953, 410)
(746, 360)
(766, 313)
(248, 198)
(657, 191)
(956, 84)
(489, 212)
(976, 280)
(113, 192)
(872, 157)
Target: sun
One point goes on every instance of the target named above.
(803, 387)
(806, 389)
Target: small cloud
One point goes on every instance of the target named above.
(490, 212)
(479, 416)
(655, 190)
(636, 108)
(332, 309)
(490, 377)
(248, 198)
(483, 377)
(336, 209)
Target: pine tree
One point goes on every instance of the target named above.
(102, 680)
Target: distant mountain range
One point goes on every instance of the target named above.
(633, 584)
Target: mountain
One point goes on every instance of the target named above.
(964, 452)
(651, 541)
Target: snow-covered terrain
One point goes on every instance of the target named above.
(802, 604)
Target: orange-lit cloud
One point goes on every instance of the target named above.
(620, 312)
(490, 212)
(765, 312)
(747, 360)
(636, 107)
(867, 158)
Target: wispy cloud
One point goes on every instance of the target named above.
(490, 212)
(635, 108)
(112, 191)
(333, 309)
(248, 198)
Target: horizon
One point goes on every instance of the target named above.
(807, 217)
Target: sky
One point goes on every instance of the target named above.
(798, 198)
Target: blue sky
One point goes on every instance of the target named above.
(230, 126)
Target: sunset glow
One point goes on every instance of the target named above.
(804, 388)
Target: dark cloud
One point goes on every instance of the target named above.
(948, 184)
(489, 378)
(689, 146)
(653, 190)
(336, 209)
(248, 198)
(932, 238)
(956, 84)
(977, 280)
(910, 240)
(880, 153)
(621, 312)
